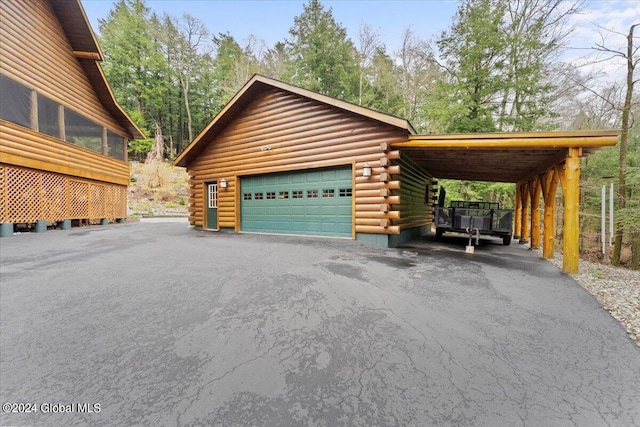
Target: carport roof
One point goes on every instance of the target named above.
(499, 157)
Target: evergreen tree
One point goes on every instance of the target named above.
(473, 54)
(322, 57)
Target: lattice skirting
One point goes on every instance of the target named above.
(30, 195)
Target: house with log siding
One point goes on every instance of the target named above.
(282, 159)
(63, 137)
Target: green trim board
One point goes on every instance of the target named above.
(312, 202)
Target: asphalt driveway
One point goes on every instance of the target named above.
(158, 324)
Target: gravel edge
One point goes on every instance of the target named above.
(617, 290)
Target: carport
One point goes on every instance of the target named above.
(535, 161)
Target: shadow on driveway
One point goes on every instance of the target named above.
(161, 324)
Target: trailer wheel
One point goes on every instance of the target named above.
(506, 240)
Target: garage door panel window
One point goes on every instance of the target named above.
(329, 192)
(258, 196)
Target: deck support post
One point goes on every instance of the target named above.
(525, 233)
(535, 190)
(40, 226)
(571, 192)
(549, 184)
(517, 224)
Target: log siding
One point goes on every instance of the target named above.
(414, 211)
(281, 131)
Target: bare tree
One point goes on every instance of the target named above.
(631, 58)
(537, 33)
(191, 37)
(368, 44)
(417, 73)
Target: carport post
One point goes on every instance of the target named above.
(535, 189)
(517, 214)
(526, 198)
(571, 191)
(549, 182)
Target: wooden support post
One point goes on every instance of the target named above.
(571, 191)
(517, 226)
(525, 234)
(535, 190)
(33, 119)
(549, 183)
(105, 144)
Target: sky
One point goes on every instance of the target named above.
(270, 20)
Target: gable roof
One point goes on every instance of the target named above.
(259, 84)
(85, 47)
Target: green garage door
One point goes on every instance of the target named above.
(316, 202)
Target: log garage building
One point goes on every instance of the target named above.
(282, 159)
(63, 137)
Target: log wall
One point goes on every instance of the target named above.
(281, 131)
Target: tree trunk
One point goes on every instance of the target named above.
(624, 138)
(635, 250)
(185, 90)
(156, 154)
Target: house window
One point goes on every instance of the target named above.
(48, 112)
(115, 145)
(312, 194)
(296, 194)
(15, 102)
(271, 195)
(330, 192)
(258, 196)
(82, 131)
(344, 192)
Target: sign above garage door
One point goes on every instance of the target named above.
(316, 202)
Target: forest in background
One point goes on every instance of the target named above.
(497, 67)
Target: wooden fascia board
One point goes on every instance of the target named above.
(520, 142)
(83, 39)
(91, 33)
(87, 55)
(110, 101)
(508, 135)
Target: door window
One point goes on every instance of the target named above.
(213, 195)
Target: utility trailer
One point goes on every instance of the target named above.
(479, 218)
